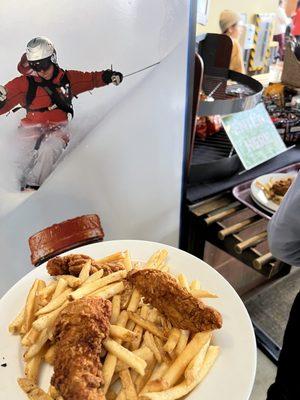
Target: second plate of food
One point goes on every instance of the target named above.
(268, 190)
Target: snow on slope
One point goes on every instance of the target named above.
(125, 159)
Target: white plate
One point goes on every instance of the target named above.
(232, 376)
(258, 194)
(261, 205)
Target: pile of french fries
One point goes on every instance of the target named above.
(144, 357)
(267, 188)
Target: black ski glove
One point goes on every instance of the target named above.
(110, 76)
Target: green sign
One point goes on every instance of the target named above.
(254, 136)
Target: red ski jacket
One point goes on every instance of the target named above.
(17, 90)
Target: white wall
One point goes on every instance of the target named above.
(127, 167)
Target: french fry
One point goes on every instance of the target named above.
(15, 326)
(60, 288)
(48, 320)
(50, 354)
(30, 308)
(109, 291)
(159, 344)
(183, 282)
(30, 337)
(177, 368)
(152, 314)
(126, 296)
(108, 369)
(71, 280)
(166, 325)
(32, 367)
(54, 393)
(191, 372)
(141, 381)
(157, 260)
(182, 389)
(136, 363)
(55, 303)
(110, 361)
(115, 308)
(134, 301)
(147, 325)
(182, 342)
(202, 293)
(118, 332)
(120, 255)
(195, 285)
(94, 276)
(127, 260)
(144, 352)
(151, 385)
(127, 385)
(172, 341)
(133, 304)
(33, 391)
(39, 299)
(91, 287)
(38, 345)
(48, 290)
(85, 271)
(135, 344)
(149, 342)
(130, 325)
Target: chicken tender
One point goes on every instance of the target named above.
(79, 331)
(73, 263)
(182, 309)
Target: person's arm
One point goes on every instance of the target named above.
(85, 81)
(284, 227)
(13, 94)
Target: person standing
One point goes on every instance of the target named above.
(46, 91)
(230, 22)
(281, 23)
(284, 242)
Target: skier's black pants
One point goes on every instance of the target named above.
(287, 382)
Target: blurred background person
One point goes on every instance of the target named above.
(296, 22)
(230, 23)
(282, 21)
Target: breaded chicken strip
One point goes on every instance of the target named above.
(73, 263)
(79, 331)
(182, 309)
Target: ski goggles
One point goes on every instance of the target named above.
(40, 65)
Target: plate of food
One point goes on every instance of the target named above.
(268, 190)
(125, 319)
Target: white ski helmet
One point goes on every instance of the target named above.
(40, 48)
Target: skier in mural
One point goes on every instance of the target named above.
(46, 91)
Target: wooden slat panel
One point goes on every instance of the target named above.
(209, 205)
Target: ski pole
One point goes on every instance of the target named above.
(140, 70)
